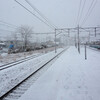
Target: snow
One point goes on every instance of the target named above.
(13, 75)
(8, 58)
(71, 77)
(4, 54)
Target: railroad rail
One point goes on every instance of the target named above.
(94, 49)
(21, 87)
(5, 66)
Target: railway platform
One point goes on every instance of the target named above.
(70, 77)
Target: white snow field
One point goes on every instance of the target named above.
(71, 77)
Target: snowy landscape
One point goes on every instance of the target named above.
(71, 77)
(49, 50)
(12, 76)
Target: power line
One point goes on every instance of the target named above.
(93, 3)
(82, 10)
(88, 11)
(48, 23)
(48, 33)
(77, 21)
(8, 24)
(33, 14)
(40, 13)
(55, 27)
(6, 30)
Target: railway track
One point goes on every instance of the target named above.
(5, 66)
(21, 87)
(94, 49)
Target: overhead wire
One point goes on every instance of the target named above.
(40, 13)
(6, 30)
(8, 24)
(47, 22)
(55, 27)
(77, 21)
(44, 33)
(33, 14)
(1, 24)
(82, 10)
(93, 3)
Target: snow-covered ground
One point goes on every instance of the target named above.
(7, 58)
(71, 77)
(13, 75)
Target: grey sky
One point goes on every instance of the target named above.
(62, 13)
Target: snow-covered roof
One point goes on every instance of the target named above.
(2, 43)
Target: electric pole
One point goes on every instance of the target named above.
(95, 31)
(75, 41)
(78, 41)
(68, 32)
(55, 42)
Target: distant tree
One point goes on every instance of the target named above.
(25, 32)
(15, 41)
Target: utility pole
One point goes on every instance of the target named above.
(89, 38)
(68, 32)
(55, 42)
(95, 31)
(85, 53)
(75, 41)
(78, 41)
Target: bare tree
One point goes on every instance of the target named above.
(25, 32)
(15, 41)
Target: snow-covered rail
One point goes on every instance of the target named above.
(94, 49)
(24, 83)
(5, 66)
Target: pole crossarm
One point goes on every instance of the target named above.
(63, 29)
(58, 33)
(44, 33)
(84, 29)
(87, 29)
(90, 27)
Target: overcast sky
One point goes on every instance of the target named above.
(61, 13)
